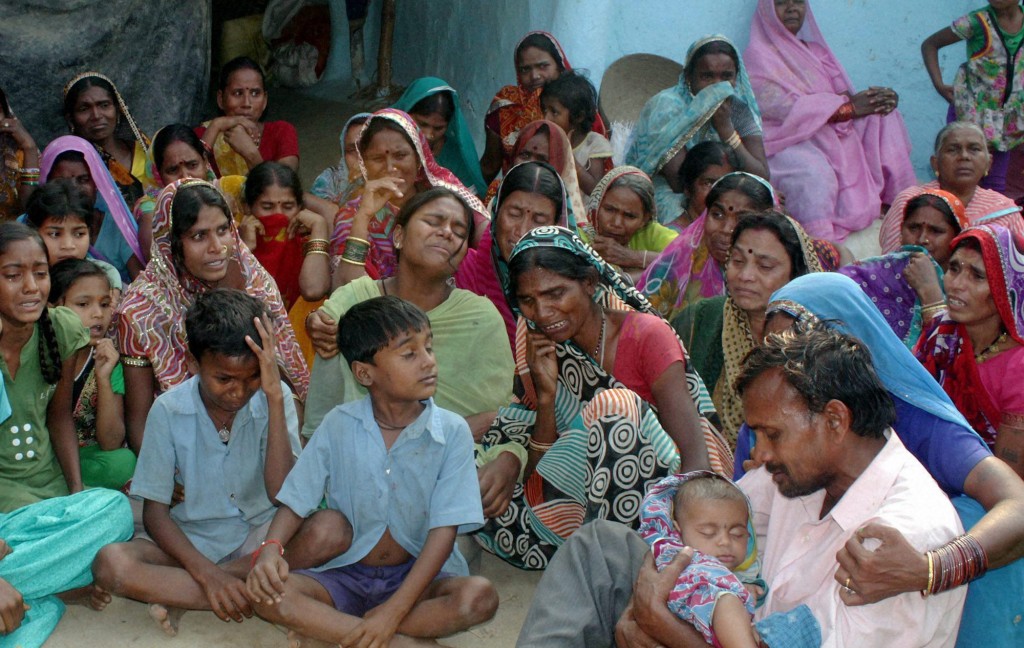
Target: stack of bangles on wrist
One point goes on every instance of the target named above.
(316, 246)
(956, 563)
(930, 310)
(844, 114)
(29, 176)
(356, 251)
(540, 447)
(734, 141)
(256, 554)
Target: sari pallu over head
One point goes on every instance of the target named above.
(675, 117)
(382, 261)
(946, 350)
(333, 183)
(516, 106)
(738, 341)
(795, 85)
(686, 260)
(459, 152)
(484, 272)
(152, 312)
(605, 430)
(108, 197)
(124, 177)
(559, 157)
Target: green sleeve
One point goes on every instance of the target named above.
(71, 333)
(652, 237)
(117, 379)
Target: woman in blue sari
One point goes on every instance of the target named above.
(434, 106)
(986, 492)
(712, 101)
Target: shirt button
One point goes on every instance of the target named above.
(232, 497)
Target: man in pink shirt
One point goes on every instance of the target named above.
(831, 465)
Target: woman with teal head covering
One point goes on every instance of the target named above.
(712, 101)
(434, 105)
(932, 428)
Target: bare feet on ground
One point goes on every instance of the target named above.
(295, 640)
(89, 596)
(166, 618)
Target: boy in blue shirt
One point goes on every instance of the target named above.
(228, 436)
(401, 470)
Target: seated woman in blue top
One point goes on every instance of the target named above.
(937, 434)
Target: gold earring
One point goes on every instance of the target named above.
(225, 249)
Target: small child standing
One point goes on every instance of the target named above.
(989, 86)
(401, 470)
(228, 436)
(710, 514)
(98, 394)
(64, 218)
(571, 102)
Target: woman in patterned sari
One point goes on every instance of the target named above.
(395, 159)
(600, 400)
(713, 100)
(196, 247)
(768, 250)
(95, 111)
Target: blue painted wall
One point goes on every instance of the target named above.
(470, 43)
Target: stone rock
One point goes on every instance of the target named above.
(157, 54)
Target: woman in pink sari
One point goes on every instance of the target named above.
(836, 154)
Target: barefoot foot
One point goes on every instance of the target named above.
(99, 598)
(166, 618)
(295, 640)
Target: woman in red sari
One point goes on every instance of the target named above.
(539, 58)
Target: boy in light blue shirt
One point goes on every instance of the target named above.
(228, 436)
(401, 470)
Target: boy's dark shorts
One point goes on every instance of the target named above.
(356, 589)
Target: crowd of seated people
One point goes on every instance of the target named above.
(251, 399)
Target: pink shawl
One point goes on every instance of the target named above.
(798, 88)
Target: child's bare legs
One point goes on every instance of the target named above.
(308, 611)
(324, 535)
(89, 596)
(451, 605)
(140, 570)
(731, 623)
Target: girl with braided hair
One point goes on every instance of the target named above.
(38, 347)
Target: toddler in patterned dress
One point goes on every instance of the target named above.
(709, 513)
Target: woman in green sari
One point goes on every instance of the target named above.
(434, 106)
(768, 250)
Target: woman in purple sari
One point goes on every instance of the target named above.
(836, 154)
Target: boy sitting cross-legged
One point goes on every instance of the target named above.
(401, 471)
(228, 436)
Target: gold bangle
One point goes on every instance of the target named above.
(351, 262)
(318, 240)
(134, 361)
(540, 447)
(359, 240)
(931, 576)
(312, 252)
(734, 141)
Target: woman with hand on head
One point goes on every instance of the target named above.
(239, 138)
(95, 111)
(712, 101)
(604, 389)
